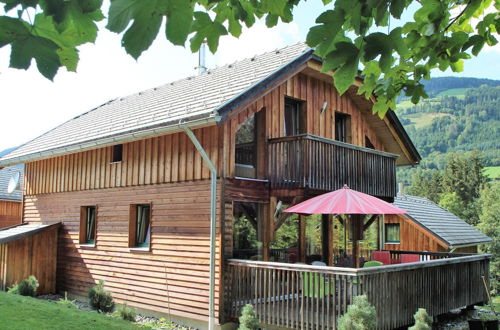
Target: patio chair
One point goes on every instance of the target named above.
(405, 258)
(316, 286)
(372, 263)
(382, 256)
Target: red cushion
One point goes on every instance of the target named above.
(382, 256)
(409, 258)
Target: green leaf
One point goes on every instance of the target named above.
(179, 21)
(344, 51)
(11, 29)
(379, 43)
(324, 36)
(275, 7)
(271, 20)
(69, 58)
(234, 27)
(399, 43)
(42, 50)
(206, 29)
(457, 66)
(397, 7)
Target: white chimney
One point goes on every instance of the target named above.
(201, 58)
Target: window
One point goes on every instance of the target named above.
(342, 127)
(392, 233)
(294, 117)
(117, 153)
(87, 225)
(140, 225)
(246, 147)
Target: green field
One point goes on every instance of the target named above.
(457, 92)
(19, 313)
(492, 172)
(421, 120)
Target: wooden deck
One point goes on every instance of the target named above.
(313, 162)
(314, 297)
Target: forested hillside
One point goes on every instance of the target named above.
(457, 119)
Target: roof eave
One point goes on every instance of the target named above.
(393, 118)
(123, 137)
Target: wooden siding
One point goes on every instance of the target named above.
(162, 159)
(314, 93)
(413, 237)
(173, 158)
(33, 255)
(10, 213)
(172, 278)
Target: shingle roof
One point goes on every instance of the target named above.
(5, 175)
(439, 221)
(23, 230)
(194, 97)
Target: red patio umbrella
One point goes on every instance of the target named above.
(345, 201)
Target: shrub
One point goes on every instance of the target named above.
(422, 320)
(27, 287)
(100, 299)
(66, 302)
(248, 319)
(126, 312)
(361, 315)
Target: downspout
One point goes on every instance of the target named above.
(213, 223)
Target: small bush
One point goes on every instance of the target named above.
(66, 302)
(422, 320)
(100, 299)
(27, 287)
(126, 312)
(248, 319)
(361, 315)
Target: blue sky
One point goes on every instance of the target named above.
(31, 105)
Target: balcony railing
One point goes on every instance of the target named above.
(308, 161)
(314, 297)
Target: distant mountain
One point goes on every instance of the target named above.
(462, 115)
(440, 84)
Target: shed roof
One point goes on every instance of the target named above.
(5, 175)
(440, 222)
(208, 97)
(23, 230)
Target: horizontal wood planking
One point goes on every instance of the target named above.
(162, 159)
(33, 255)
(10, 213)
(413, 237)
(174, 275)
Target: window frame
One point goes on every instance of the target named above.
(116, 153)
(299, 116)
(346, 119)
(387, 225)
(83, 235)
(133, 219)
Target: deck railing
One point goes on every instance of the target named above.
(308, 161)
(314, 297)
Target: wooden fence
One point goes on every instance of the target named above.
(308, 161)
(314, 297)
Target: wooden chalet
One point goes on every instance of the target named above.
(10, 203)
(429, 227)
(173, 196)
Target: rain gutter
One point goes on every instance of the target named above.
(118, 138)
(213, 222)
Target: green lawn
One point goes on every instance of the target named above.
(18, 312)
(492, 172)
(457, 92)
(424, 119)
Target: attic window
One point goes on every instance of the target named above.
(117, 153)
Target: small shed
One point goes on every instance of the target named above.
(429, 227)
(10, 202)
(29, 249)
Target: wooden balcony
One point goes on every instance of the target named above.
(314, 297)
(311, 162)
